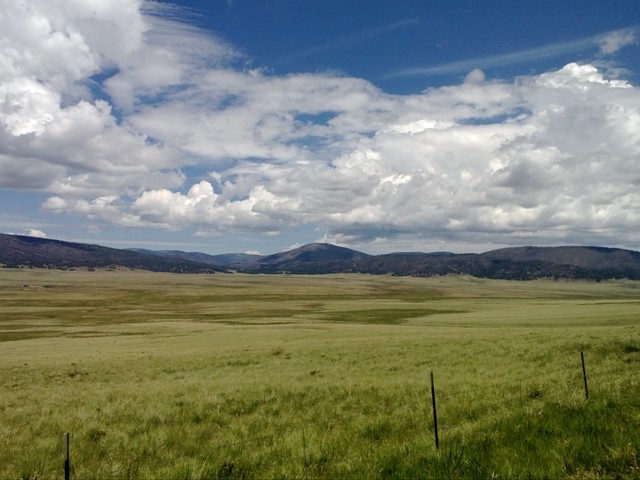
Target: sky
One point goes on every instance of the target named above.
(257, 126)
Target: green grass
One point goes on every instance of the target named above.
(235, 376)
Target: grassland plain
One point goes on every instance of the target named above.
(237, 376)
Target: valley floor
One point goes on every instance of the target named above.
(256, 376)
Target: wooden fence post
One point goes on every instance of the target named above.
(67, 466)
(435, 415)
(584, 373)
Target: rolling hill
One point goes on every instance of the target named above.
(311, 258)
(24, 251)
(223, 260)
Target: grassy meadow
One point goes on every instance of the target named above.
(237, 376)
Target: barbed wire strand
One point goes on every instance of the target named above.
(505, 399)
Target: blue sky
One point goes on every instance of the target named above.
(407, 46)
(257, 126)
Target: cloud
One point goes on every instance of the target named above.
(607, 43)
(475, 76)
(180, 135)
(174, 53)
(612, 42)
(541, 157)
(359, 37)
(55, 135)
(34, 232)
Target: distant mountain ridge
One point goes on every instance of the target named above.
(24, 251)
(584, 257)
(516, 263)
(305, 259)
(223, 260)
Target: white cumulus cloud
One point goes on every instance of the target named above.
(34, 232)
(126, 116)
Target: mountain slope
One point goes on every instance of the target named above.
(519, 263)
(223, 260)
(599, 258)
(19, 250)
(311, 258)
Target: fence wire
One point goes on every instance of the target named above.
(512, 392)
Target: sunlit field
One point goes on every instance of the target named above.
(237, 376)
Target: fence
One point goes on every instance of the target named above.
(511, 392)
(467, 392)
